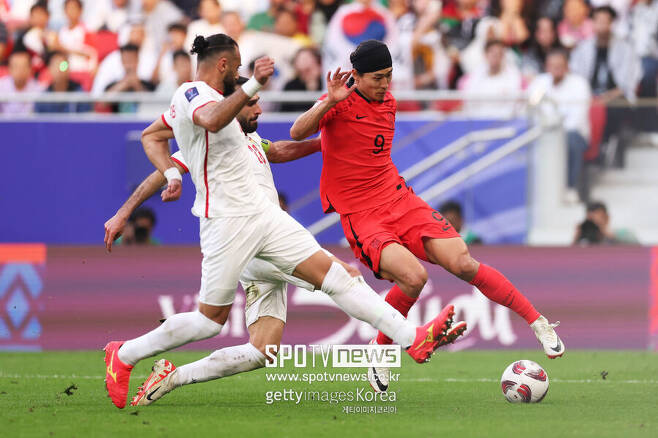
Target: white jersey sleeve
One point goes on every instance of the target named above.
(218, 162)
(198, 96)
(178, 158)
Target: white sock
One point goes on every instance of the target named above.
(177, 330)
(357, 299)
(221, 363)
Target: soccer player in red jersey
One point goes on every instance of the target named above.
(389, 227)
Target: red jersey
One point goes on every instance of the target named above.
(357, 171)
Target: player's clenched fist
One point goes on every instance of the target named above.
(173, 191)
(263, 69)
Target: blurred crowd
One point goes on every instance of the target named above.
(589, 59)
(493, 47)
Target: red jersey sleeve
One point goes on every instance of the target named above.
(331, 114)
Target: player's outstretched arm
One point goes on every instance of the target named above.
(216, 115)
(287, 150)
(116, 224)
(309, 122)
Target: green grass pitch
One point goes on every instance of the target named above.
(456, 394)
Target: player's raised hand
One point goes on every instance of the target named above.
(336, 89)
(173, 191)
(263, 69)
(113, 229)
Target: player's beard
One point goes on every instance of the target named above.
(229, 85)
(249, 126)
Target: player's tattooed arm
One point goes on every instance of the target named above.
(116, 224)
(216, 115)
(309, 122)
(286, 150)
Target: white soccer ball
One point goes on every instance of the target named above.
(524, 381)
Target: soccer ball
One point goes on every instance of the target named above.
(524, 381)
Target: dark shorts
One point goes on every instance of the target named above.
(406, 221)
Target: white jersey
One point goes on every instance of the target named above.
(219, 163)
(260, 166)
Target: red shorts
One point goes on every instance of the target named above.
(405, 221)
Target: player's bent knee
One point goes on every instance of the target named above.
(414, 280)
(218, 314)
(464, 266)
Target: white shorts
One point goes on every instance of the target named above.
(229, 244)
(266, 290)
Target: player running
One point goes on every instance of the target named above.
(238, 223)
(389, 227)
(264, 284)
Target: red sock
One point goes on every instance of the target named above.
(499, 289)
(400, 302)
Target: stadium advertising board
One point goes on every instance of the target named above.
(81, 297)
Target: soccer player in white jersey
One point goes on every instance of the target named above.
(264, 284)
(238, 223)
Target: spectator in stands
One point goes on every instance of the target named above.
(264, 21)
(543, 41)
(58, 67)
(569, 95)
(403, 60)
(285, 25)
(507, 24)
(303, 10)
(459, 19)
(419, 59)
(158, 15)
(597, 215)
(644, 34)
(111, 69)
(176, 36)
(139, 229)
(452, 212)
(20, 80)
(613, 70)
(511, 25)
(246, 8)
(576, 25)
(254, 44)
(16, 13)
(144, 221)
(182, 68)
(324, 10)
(496, 80)
(4, 43)
(130, 82)
(81, 57)
(622, 8)
(209, 23)
(588, 233)
(38, 39)
(308, 77)
(549, 8)
(110, 15)
(375, 22)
